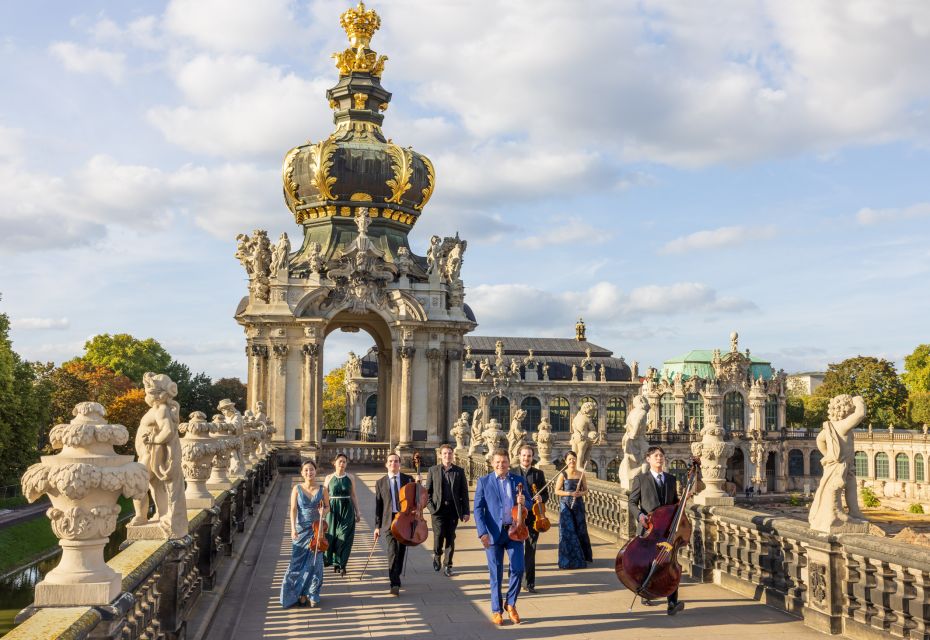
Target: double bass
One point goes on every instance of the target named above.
(409, 526)
(518, 531)
(648, 564)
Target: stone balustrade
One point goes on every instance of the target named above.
(162, 580)
(373, 453)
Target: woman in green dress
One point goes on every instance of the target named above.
(343, 515)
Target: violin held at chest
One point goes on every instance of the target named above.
(518, 530)
(320, 541)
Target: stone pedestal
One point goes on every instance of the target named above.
(714, 453)
(823, 606)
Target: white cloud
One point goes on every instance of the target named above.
(574, 230)
(237, 25)
(720, 238)
(868, 216)
(35, 324)
(89, 60)
(11, 142)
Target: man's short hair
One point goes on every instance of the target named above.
(445, 446)
(390, 455)
(501, 452)
(653, 449)
(528, 446)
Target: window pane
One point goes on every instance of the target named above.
(616, 414)
(862, 465)
(558, 414)
(918, 468)
(500, 409)
(694, 411)
(533, 409)
(881, 465)
(902, 467)
(795, 463)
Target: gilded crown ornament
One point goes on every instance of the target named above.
(360, 25)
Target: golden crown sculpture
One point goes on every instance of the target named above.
(360, 25)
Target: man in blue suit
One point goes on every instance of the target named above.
(495, 497)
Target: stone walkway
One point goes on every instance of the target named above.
(585, 603)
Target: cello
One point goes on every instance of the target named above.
(540, 521)
(518, 531)
(648, 564)
(409, 526)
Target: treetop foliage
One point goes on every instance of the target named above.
(916, 376)
(876, 380)
(126, 355)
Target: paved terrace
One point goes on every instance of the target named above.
(584, 603)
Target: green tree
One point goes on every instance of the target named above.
(918, 408)
(127, 355)
(916, 376)
(875, 380)
(231, 388)
(814, 411)
(794, 411)
(334, 399)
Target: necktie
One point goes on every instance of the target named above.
(396, 493)
(661, 482)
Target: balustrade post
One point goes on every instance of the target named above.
(224, 533)
(171, 594)
(239, 506)
(207, 549)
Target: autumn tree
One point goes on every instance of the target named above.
(875, 380)
(334, 400)
(128, 410)
(916, 376)
(127, 355)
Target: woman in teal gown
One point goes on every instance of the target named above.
(342, 516)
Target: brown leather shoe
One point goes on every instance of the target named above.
(512, 612)
(497, 619)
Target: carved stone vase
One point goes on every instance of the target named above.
(83, 482)
(220, 479)
(714, 452)
(198, 450)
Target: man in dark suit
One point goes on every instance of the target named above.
(448, 503)
(387, 504)
(495, 496)
(533, 477)
(650, 490)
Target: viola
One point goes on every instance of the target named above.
(648, 564)
(409, 526)
(540, 521)
(518, 530)
(319, 542)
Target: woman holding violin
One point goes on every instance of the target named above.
(304, 577)
(574, 543)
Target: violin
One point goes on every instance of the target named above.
(648, 564)
(518, 530)
(540, 521)
(409, 526)
(319, 542)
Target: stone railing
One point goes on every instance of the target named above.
(370, 453)
(161, 579)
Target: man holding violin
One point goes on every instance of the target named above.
(387, 504)
(650, 490)
(500, 500)
(448, 503)
(536, 481)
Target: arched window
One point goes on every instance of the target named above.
(796, 463)
(733, 418)
(500, 409)
(592, 401)
(559, 414)
(918, 468)
(469, 404)
(816, 464)
(902, 467)
(667, 410)
(616, 414)
(533, 408)
(591, 470)
(371, 405)
(694, 411)
(881, 465)
(771, 413)
(862, 464)
(613, 470)
(679, 469)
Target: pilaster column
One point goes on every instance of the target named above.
(406, 354)
(679, 408)
(782, 419)
(258, 360)
(757, 400)
(453, 385)
(278, 376)
(434, 431)
(309, 392)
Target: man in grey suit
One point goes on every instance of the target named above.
(650, 490)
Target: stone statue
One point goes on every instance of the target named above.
(580, 331)
(476, 431)
(460, 431)
(279, 255)
(603, 373)
(734, 342)
(587, 363)
(574, 372)
(516, 437)
(485, 366)
(158, 446)
(545, 369)
(634, 443)
(362, 220)
(584, 433)
(404, 262)
(314, 259)
(635, 370)
(514, 368)
(494, 437)
(353, 366)
(234, 427)
(544, 441)
(432, 254)
(836, 444)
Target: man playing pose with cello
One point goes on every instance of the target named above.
(650, 490)
(387, 504)
(536, 481)
(448, 503)
(498, 496)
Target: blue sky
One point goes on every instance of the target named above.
(669, 171)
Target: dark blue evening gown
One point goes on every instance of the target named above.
(302, 577)
(574, 544)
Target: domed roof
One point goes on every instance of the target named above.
(356, 165)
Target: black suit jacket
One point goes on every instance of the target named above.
(383, 507)
(644, 495)
(533, 477)
(459, 496)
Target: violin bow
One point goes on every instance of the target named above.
(370, 552)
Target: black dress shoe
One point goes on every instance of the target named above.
(675, 608)
(449, 571)
(436, 564)
(531, 588)
(395, 591)
(648, 602)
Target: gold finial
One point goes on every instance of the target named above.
(360, 25)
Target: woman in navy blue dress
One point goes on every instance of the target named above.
(304, 577)
(574, 544)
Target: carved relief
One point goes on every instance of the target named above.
(817, 577)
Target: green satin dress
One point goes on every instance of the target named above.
(341, 520)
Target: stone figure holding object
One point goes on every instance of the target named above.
(476, 431)
(584, 434)
(516, 437)
(634, 443)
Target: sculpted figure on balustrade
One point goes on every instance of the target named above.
(584, 433)
(634, 444)
(516, 437)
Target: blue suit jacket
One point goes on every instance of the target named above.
(487, 507)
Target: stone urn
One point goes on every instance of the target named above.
(198, 449)
(83, 482)
(714, 452)
(220, 479)
(251, 441)
(544, 441)
(494, 437)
